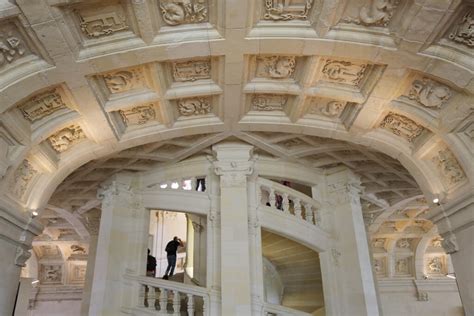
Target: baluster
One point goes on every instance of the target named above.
(272, 198)
(163, 300)
(317, 218)
(190, 305)
(297, 206)
(176, 303)
(193, 184)
(308, 211)
(286, 203)
(152, 298)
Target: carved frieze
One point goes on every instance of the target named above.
(402, 126)
(22, 177)
(448, 166)
(138, 115)
(331, 108)
(51, 273)
(269, 102)
(176, 12)
(65, 138)
(463, 31)
(12, 45)
(124, 80)
(344, 72)
(42, 105)
(286, 10)
(276, 67)
(194, 106)
(429, 93)
(102, 22)
(191, 70)
(377, 13)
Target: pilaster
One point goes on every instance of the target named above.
(234, 164)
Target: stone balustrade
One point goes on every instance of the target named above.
(279, 310)
(160, 297)
(289, 201)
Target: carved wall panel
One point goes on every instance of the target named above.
(51, 273)
(176, 12)
(374, 13)
(449, 167)
(122, 81)
(275, 67)
(436, 265)
(99, 21)
(404, 243)
(402, 126)
(65, 138)
(12, 44)
(327, 107)
(191, 70)
(462, 32)
(380, 266)
(22, 178)
(269, 102)
(42, 105)
(77, 273)
(344, 72)
(429, 93)
(403, 266)
(139, 115)
(286, 10)
(194, 106)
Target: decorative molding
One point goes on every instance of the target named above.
(138, 115)
(378, 13)
(22, 178)
(276, 67)
(344, 72)
(331, 109)
(277, 10)
(176, 12)
(191, 70)
(123, 80)
(101, 24)
(402, 126)
(41, 105)
(12, 45)
(194, 106)
(462, 32)
(65, 138)
(448, 166)
(269, 102)
(429, 93)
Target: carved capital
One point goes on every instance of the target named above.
(345, 191)
(233, 163)
(107, 190)
(450, 243)
(22, 255)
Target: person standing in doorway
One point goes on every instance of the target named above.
(150, 265)
(171, 254)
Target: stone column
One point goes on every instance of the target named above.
(233, 164)
(456, 225)
(16, 234)
(121, 246)
(349, 285)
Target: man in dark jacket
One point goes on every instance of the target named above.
(171, 250)
(150, 265)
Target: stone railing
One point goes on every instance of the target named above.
(160, 297)
(185, 184)
(289, 201)
(278, 310)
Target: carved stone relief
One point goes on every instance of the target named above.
(12, 46)
(435, 265)
(463, 31)
(65, 138)
(22, 178)
(344, 72)
(269, 102)
(402, 266)
(403, 243)
(378, 243)
(429, 93)
(194, 106)
(102, 22)
(402, 126)
(191, 70)
(379, 266)
(275, 67)
(285, 10)
(377, 13)
(175, 12)
(138, 115)
(124, 80)
(449, 243)
(78, 249)
(42, 105)
(436, 242)
(332, 108)
(22, 255)
(51, 273)
(448, 166)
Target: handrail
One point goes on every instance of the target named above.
(288, 200)
(170, 285)
(279, 310)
